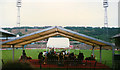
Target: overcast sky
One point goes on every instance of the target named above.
(58, 13)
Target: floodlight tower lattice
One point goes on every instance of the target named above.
(105, 5)
(18, 14)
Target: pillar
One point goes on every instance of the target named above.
(100, 54)
(23, 47)
(46, 48)
(113, 52)
(13, 52)
(93, 51)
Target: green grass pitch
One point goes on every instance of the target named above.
(106, 54)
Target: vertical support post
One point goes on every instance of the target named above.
(100, 54)
(113, 53)
(6, 38)
(69, 50)
(54, 49)
(23, 47)
(13, 52)
(46, 49)
(93, 51)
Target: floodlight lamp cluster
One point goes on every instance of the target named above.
(18, 3)
(105, 3)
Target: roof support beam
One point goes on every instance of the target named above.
(37, 39)
(77, 36)
(46, 33)
(32, 38)
(73, 35)
(75, 39)
(13, 42)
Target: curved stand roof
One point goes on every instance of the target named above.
(116, 36)
(53, 31)
(6, 33)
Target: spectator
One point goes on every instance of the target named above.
(40, 56)
(71, 56)
(80, 56)
(23, 57)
